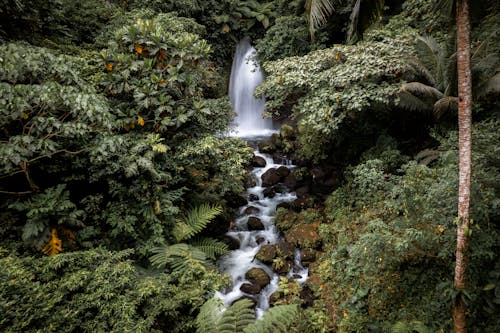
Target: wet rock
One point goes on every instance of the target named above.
(270, 177)
(269, 192)
(283, 171)
(251, 210)
(236, 200)
(260, 240)
(307, 256)
(284, 205)
(302, 203)
(258, 162)
(302, 191)
(232, 242)
(286, 250)
(304, 235)
(253, 197)
(250, 181)
(290, 181)
(266, 254)
(258, 277)
(254, 223)
(282, 266)
(275, 297)
(250, 288)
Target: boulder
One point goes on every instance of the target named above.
(307, 296)
(250, 288)
(302, 191)
(266, 147)
(232, 242)
(258, 162)
(270, 177)
(282, 266)
(253, 197)
(286, 250)
(283, 171)
(275, 297)
(251, 210)
(269, 192)
(258, 276)
(290, 181)
(254, 223)
(266, 254)
(307, 256)
(304, 235)
(284, 205)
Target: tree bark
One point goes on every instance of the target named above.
(464, 143)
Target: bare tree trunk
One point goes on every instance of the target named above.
(464, 142)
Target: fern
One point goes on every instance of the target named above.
(211, 247)
(410, 327)
(196, 220)
(277, 319)
(240, 318)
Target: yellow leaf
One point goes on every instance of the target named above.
(25, 116)
(225, 28)
(109, 67)
(140, 121)
(54, 246)
(138, 48)
(337, 56)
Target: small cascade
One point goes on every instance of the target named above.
(245, 77)
(253, 228)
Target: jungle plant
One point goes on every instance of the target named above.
(214, 317)
(181, 256)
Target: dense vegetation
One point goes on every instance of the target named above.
(117, 182)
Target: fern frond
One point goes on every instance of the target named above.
(410, 327)
(165, 254)
(276, 319)
(237, 317)
(196, 220)
(210, 314)
(211, 247)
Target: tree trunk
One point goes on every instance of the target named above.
(464, 143)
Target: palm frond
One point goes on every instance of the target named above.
(276, 319)
(418, 96)
(317, 13)
(444, 106)
(411, 103)
(362, 16)
(211, 247)
(195, 221)
(490, 86)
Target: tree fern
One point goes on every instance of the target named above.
(240, 318)
(362, 16)
(195, 221)
(211, 247)
(277, 319)
(317, 13)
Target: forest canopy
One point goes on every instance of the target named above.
(118, 180)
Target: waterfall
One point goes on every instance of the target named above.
(245, 77)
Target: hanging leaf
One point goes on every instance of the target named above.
(54, 246)
(140, 121)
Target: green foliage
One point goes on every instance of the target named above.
(327, 89)
(240, 317)
(96, 291)
(392, 234)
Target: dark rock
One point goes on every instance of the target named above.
(236, 200)
(302, 191)
(251, 210)
(283, 171)
(282, 266)
(260, 240)
(258, 277)
(302, 203)
(304, 235)
(266, 254)
(270, 177)
(250, 181)
(253, 197)
(254, 223)
(307, 256)
(290, 181)
(269, 192)
(284, 205)
(286, 250)
(258, 162)
(275, 297)
(232, 242)
(250, 288)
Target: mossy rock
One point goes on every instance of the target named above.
(258, 277)
(304, 235)
(266, 254)
(288, 132)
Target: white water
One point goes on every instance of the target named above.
(239, 261)
(246, 75)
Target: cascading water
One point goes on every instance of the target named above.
(253, 228)
(245, 77)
